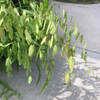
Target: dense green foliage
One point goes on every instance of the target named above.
(32, 32)
(6, 90)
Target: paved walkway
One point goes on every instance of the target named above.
(84, 85)
(88, 19)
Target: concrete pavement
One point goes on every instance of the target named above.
(88, 19)
(84, 86)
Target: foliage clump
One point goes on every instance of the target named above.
(32, 32)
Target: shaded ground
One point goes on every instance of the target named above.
(84, 85)
(80, 1)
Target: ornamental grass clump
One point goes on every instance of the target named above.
(32, 32)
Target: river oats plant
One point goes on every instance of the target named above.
(33, 32)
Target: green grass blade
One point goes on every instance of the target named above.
(39, 71)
